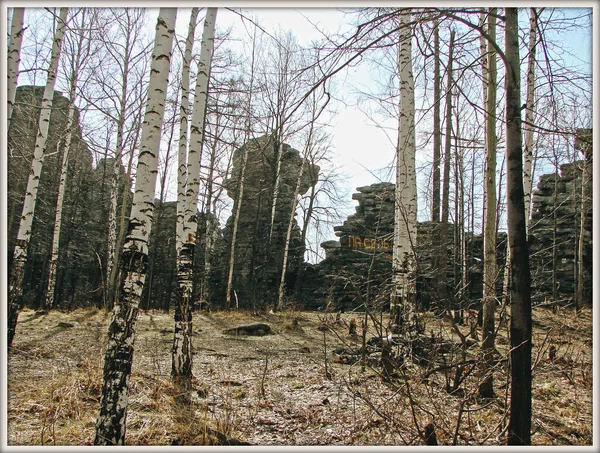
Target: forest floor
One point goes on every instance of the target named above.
(299, 385)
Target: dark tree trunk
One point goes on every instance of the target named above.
(519, 425)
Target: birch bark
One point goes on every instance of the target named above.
(403, 304)
(14, 58)
(183, 128)
(110, 424)
(181, 367)
(529, 117)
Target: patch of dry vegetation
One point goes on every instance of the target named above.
(287, 388)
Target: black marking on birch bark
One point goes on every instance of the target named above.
(134, 261)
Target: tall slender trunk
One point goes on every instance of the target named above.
(437, 132)
(183, 129)
(118, 358)
(437, 244)
(24, 233)
(529, 118)
(53, 264)
(288, 237)
(582, 236)
(209, 214)
(80, 54)
(14, 58)
(181, 365)
(307, 217)
(519, 424)
(240, 191)
(490, 270)
(444, 292)
(278, 150)
(121, 228)
(403, 304)
(460, 260)
(112, 257)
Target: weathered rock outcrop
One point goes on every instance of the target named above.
(555, 230)
(259, 251)
(357, 267)
(77, 269)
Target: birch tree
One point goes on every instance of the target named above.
(184, 107)
(490, 271)
(403, 304)
(181, 368)
(519, 424)
(81, 53)
(529, 117)
(297, 192)
(14, 58)
(118, 358)
(27, 215)
(129, 23)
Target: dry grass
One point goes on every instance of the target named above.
(274, 390)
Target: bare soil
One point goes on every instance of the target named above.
(290, 387)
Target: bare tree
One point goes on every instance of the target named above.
(183, 128)
(241, 178)
(24, 233)
(118, 358)
(529, 116)
(314, 116)
(403, 305)
(443, 269)
(181, 368)
(519, 425)
(490, 271)
(129, 23)
(81, 51)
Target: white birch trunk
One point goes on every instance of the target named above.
(182, 339)
(529, 118)
(111, 259)
(403, 305)
(277, 181)
(24, 233)
(58, 218)
(183, 129)
(14, 58)
(59, 206)
(110, 424)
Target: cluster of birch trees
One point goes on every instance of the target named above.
(146, 115)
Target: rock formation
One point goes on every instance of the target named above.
(555, 230)
(357, 268)
(258, 250)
